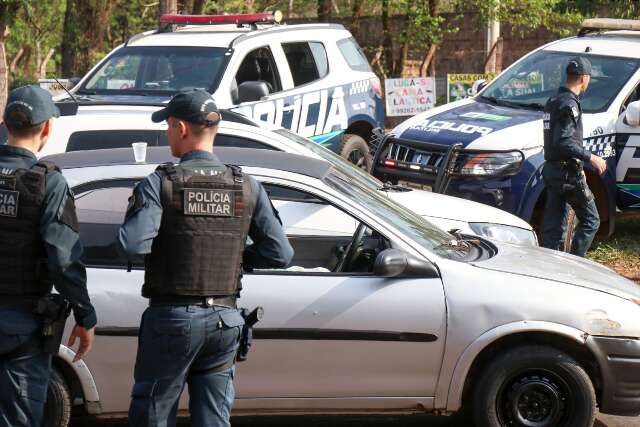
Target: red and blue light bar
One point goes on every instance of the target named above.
(245, 18)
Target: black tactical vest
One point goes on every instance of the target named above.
(23, 267)
(205, 222)
(563, 100)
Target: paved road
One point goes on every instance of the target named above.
(341, 421)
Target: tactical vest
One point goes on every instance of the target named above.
(205, 222)
(550, 121)
(23, 267)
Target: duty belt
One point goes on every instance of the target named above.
(227, 301)
(18, 302)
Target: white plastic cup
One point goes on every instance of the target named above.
(139, 151)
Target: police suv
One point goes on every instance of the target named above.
(489, 148)
(310, 78)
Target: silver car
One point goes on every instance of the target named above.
(381, 311)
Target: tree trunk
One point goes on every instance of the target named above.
(324, 10)
(493, 62)
(356, 13)
(387, 40)
(68, 47)
(42, 67)
(16, 59)
(427, 67)
(398, 68)
(168, 6)
(6, 11)
(198, 7)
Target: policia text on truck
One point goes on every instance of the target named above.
(40, 249)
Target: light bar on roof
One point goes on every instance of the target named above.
(247, 18)
(609, 24)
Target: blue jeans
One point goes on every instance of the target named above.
(24, 376)
(185, 344)
(554, 225)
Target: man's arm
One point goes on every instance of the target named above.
(270, 248)
(59, 231)
(143, 218)
(567, 123)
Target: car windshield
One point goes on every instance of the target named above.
(338, 162)
(416, 227)
(156, 70)
(535, 79)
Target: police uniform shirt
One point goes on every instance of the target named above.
(61, 241)
(563, 128)
(270, 247)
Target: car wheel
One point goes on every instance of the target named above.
(57, 409)
(534, 386)
(355, 150)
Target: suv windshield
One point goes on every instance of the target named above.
(156, 70)
(535, 79)
(416, 227)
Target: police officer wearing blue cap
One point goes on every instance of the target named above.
(40, 248)
(564, 156)
(191, 221)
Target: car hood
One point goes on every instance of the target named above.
(559, 267)
(476, 124)
(435, 205)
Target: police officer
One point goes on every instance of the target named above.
(39, 247)
(191, 220)
(563, 170)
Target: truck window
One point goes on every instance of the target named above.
(258, 66)
(353, 54)
(307, 61)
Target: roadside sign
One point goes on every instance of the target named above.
(54, 87)
(461, 86)
(409, 96)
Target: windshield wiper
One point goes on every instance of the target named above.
(85, 92)
(535, 105)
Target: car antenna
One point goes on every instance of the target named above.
(67, 90)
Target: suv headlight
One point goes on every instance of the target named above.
(490, 164)
(505, 233)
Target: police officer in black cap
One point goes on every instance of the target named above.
(563, 172)
(40, 247)
(191, 220)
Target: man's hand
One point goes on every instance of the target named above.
(86, 341)
(599, 163)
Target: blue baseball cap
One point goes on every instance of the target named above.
(28, 106)
(579, 66)
(194, 106)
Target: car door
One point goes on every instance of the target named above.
(344, 334)
(628, 158)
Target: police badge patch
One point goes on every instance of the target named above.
(208, 202)
(9, 203)
(575, 112)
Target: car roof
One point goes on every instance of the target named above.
(624, 44)
(267, 159)
(220, 35)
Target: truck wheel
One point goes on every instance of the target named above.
(355, 149)
(534, 386)
(57, 409)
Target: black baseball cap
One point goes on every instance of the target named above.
(28, 106)
(194, 106)
(579, 66)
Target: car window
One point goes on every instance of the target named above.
(353, 54)
(320, 234)
(632, 97)
(226, 140)
(100, 213)
(158, 70)
(102, 139)
(307, 61)
(258, 65)
(536, 78)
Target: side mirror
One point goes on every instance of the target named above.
(73, 81)
(478, 85)
(397, 263)
(252, 91)
(632, 114)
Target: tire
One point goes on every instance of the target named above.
(57, 409)
(355, 149)
(534, 386)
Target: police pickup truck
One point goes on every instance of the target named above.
(310, 78)
(489, 148)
